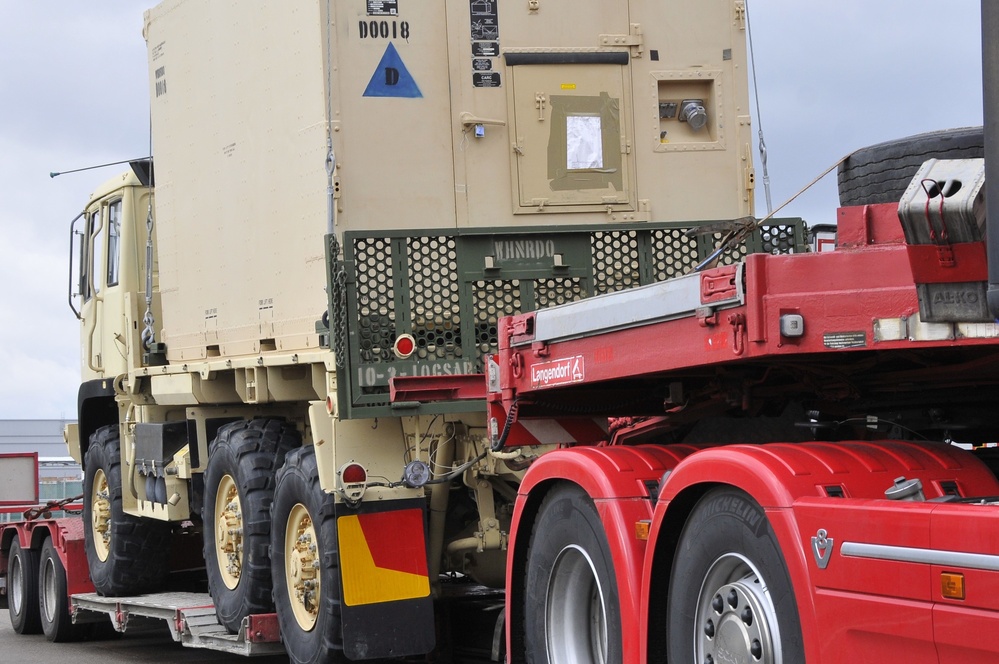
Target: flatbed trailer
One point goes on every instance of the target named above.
(43, 566)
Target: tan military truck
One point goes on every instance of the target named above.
(349, 195)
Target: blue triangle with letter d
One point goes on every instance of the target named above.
(391, 78)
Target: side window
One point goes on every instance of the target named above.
(114, 242)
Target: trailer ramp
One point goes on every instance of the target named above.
(191, 620)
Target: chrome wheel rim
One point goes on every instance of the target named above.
(16, 586)
(49, 589)
(575, 614)
(735, 619)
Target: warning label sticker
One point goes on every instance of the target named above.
(484, 26)
(383, 7)
(558, 372)
(844, 339)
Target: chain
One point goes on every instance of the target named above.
(148, 333)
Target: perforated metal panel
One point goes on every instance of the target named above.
(449, 289)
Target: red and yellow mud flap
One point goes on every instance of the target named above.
(386, 607)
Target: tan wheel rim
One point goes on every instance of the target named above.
(100, 508)
(301, 567)
(229, 532)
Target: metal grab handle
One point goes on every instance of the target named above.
(70, 287)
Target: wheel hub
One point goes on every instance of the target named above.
(575, 613)
(735, 616)
(302, 567)
(17, 588)
(49, 591)
(229, 532)
(100, 507)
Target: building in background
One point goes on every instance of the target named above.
(59, 476)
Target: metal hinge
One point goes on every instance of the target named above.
(635, 40)
(740, 14)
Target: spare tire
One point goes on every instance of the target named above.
(881, 173)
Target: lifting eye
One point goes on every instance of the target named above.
(947, 188)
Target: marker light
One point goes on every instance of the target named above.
(352, 481)
(642, 529)
(952, 585)
(353, 473)
(405, 345)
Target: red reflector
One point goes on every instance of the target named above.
(405, 345)
(354, 474)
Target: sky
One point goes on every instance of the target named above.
(832, 77)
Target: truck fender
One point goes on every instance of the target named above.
(776, 476)
(764, 479)
(615, 478)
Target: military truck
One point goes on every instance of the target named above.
(344, 195)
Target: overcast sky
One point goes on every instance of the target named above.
(833, 77)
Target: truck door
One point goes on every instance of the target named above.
(543, 114)
(102, 315)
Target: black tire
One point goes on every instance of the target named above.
(730, 588)
(881, 173)
(572, 607)
(310, 624)
(126, 555)
(53, 600)
(22, 589)
(237, 524)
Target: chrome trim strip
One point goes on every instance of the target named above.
(904, 554)
(633, 307)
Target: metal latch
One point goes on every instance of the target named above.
(635, 40)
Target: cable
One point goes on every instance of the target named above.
(759, 116)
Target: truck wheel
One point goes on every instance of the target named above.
(22, 588)
(239, 488)
(127, 555)
(881, 173)
(730, 597)
(572, 611)
(53, 600)
(304, 563)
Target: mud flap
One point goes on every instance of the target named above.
(387, 609)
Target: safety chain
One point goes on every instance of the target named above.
(148, 333)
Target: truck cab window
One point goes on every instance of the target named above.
(114, 242)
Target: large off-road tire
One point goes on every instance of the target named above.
(127, 555)
(880, 173)
(572, 609)
(22, 589)
(730, 595)
(239, 488)
(304, 563)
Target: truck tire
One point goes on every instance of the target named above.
(126, 555)
(881, 173)
(304, 545)
(53, 599)
(22, 589)
(239, 488)
(572, 609)
(730, 591)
